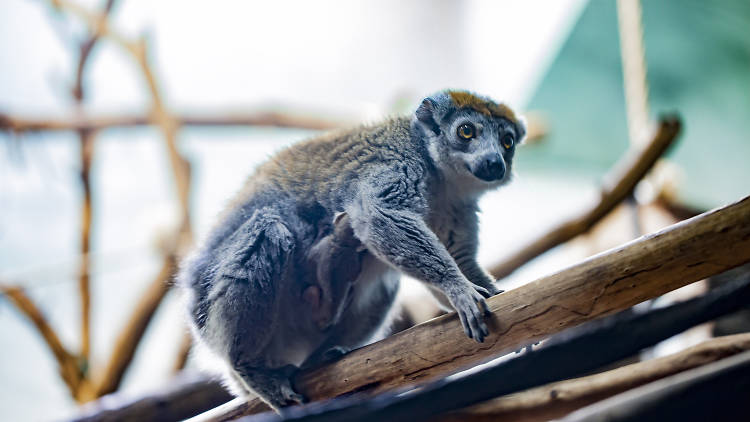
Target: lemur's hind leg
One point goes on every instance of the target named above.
(247, 289)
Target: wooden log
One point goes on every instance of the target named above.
(565, 355)
(601, 285)
(715, 392)
(560, 398)
(185, 395)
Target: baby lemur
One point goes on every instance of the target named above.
(408, 188)
(334, 263)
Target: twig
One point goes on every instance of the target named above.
(601, 285)
(85, 51)
(87, 138)
(84, 285)
(625, 176)
(66, 361)
(159, 115)
(558, 399)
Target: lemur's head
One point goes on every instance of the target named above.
(470, 138)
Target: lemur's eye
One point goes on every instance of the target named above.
(507, 141)
(466, 131)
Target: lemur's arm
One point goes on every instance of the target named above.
(388, 217)
(463, 248)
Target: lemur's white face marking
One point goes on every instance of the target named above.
(471, 141)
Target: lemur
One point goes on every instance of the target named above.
(408, 188)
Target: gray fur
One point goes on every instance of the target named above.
(409, 188)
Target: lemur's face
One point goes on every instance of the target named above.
(469, 146)
(479, 145)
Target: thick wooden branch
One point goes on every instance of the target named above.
(185, 396)
(130, 336)
(601, 342)
(622, 180)
(717, 391)
(558, 399)
(66, 362)
(601, 285)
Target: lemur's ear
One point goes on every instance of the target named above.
(521, 128)
(426, 116)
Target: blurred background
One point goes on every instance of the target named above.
(222, 85)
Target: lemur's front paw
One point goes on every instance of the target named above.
(471, 309)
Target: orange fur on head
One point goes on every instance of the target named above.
(466, 99)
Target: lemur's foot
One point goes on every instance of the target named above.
(274, 386)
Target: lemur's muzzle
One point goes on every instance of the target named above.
(490, 168)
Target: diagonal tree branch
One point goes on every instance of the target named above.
(67, 362)
(613, 338)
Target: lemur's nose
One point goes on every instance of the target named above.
(492, 168)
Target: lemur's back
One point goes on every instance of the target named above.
(316, 169)
(310, 181)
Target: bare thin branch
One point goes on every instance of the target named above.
(84, 285)
(87, 138)
(230, 118)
